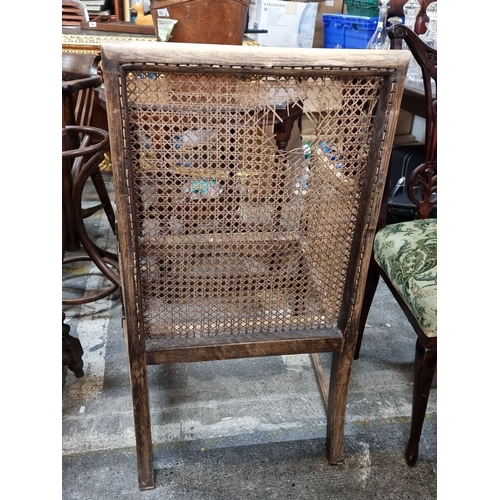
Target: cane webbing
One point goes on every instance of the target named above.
(235, 235)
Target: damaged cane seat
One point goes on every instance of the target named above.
(230, 246)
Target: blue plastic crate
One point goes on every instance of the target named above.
(348, 32)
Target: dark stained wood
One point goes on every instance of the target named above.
(160, 352)
(422, 190)
(118, 27)
(321, 379)
(425, 367)
(80, 79)
(85, 161)
(80, 67)
(337, 395)
(142, 417)
(414, 100)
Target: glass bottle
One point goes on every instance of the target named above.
(380, 39)
(411, 10)
(429, 37)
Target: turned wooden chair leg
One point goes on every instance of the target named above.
(371, 287)
(142, 422)
(425, 366)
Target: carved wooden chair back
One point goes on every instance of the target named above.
(422, 185)
(231, 244)
(405, 254)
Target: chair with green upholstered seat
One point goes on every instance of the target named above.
(405, 254)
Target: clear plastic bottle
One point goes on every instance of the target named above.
(307, 24)
(380, 39)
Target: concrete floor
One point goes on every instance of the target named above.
(240, 429)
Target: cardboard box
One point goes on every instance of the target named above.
(326, 7)
(405, 122)
(289, 24)
(256, 16)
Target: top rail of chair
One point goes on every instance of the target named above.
(120, 53)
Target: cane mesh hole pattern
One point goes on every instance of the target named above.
(235, 235)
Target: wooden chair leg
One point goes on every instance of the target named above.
(100, 187)
(372, 280)
(425, 366)
(72, 351)
(142, 422)
(337, 401)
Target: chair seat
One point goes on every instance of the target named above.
(407, 252)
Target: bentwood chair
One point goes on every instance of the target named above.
(230, 244)
(83, 148)
(405, 254)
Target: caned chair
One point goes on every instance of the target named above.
(405, 254)
(233, 244)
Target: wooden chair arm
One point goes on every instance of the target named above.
(76, 66)
(425, 56)
(82, 83)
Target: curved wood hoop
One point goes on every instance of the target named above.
(89, 154)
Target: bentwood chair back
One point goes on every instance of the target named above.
(230, 244)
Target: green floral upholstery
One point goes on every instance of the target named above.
(407, 252)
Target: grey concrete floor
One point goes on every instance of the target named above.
(239, 429)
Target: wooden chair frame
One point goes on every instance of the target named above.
(422, 191)
(119, 61)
